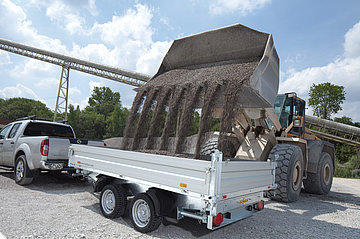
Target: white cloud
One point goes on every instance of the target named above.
(4, 58)
(93, 84)
(63, 14)
(145, 64)
(352, 41)
(19, 91)
(244, 7)
(343, 71)
(125, 41)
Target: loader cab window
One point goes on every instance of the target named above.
(283, 109)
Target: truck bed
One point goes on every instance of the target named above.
(182, 175)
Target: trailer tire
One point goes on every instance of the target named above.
(113, 201)
(288, 173)
(321, 181)
(143, 215)
(22, 174)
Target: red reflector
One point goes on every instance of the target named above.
(104, 144)
(260, 205)
(224, 196)
(218, 219)
(269, 186)
(44, 148)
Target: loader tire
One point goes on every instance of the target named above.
(209, 146)
(113, 201)
(288, 173)
(321, 181)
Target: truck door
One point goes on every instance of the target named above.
(3, 133)
(9, 146)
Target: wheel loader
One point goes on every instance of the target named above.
(230, 74)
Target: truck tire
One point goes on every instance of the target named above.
(321, 181)
(288, 173)
(143, 215)
(113, 201)
(22, 173)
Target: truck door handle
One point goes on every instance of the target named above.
(11, 142)
(1, 143)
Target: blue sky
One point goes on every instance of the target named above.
(317, 41)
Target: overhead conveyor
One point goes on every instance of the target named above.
(67, 63)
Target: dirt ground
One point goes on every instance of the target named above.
(63, 207)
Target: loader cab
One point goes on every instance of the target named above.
(290, 110)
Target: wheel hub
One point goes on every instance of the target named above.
(20, 170)
(108, 201)
(296, 179)
(141, 213)
(326, 174)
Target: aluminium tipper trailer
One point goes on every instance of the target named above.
(216, 192)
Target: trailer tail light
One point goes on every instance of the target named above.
(44, 148)
(218, 219)
(260, 205)
(104, 144)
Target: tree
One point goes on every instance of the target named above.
(103, 116)
(103, 100)
(326, 99)
(116, 122)
(14, 108)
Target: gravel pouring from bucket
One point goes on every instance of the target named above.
(216, 73)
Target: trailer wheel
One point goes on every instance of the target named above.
(113, 201)
(22, 173)
(321, 181)
(142, 213)
(288, 174)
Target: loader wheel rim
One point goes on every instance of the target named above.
(20, 170)
(296, 182)
(141, 213)
(327, 173)
(108, 201)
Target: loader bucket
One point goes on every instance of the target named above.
(215, 73)
(236, 43)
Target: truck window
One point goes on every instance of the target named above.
(43, 129)
(14, 130)
(4, 131)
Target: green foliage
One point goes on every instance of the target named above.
(117, 121)
(195, 122)
(104, 117)
(15, 108)
(349, 169)
(103, 100)
(326, 99)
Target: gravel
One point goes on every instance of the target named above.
(63, 207)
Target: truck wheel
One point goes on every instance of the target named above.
(288, 173)
(142, 213)
(113, 201)
(22, 173)
(321, 181)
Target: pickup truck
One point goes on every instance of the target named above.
(30, 146)
(216, 192)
